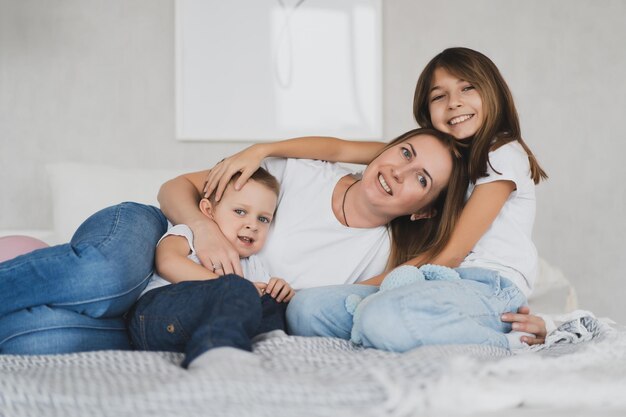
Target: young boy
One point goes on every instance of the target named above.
(202, 310)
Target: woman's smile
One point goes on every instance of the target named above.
(384, 185)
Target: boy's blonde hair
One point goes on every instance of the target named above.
(261, 176)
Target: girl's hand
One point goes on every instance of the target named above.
(526, 322)
(246, 162)
(280, 290)
(214, 251)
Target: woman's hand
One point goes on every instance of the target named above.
(523, 321)
(246, 162)
(279, 290)
(215, 252)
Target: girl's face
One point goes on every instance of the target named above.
(407, 177)
(455, 105)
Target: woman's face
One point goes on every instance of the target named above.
(407, 177)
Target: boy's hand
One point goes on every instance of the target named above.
(279, 290)
(260, 287)
(526, 322)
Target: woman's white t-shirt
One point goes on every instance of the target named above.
(507, 246)
(307, 246)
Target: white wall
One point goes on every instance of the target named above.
(89, 81)
(93, 81)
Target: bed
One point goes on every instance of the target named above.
(580, 371)
(297, 376)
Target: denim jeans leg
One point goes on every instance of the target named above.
(466, 311)
(322, 311)
(99, 273)
(196, 316)
(46, 330)
(273, 315)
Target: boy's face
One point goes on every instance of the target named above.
(244, 216)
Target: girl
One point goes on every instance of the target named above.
(462, 93)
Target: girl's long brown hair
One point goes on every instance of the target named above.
(501, 122)
(429, 236)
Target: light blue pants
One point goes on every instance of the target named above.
(71, 297)
(465, 311)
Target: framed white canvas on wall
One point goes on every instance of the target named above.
(272, 69)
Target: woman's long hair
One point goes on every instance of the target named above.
(410, 238)
(500, 121)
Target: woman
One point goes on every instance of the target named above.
(332, 228)
(72, 297)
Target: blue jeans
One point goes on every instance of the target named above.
(71, 297)
(321, 311)
(465, 311)
(195, 316)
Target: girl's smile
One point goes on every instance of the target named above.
(459, 119)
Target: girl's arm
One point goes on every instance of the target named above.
(481, 210)
(172, 264)
(179, 200)
(523, 321)
(311, 147)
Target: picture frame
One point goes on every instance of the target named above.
(259, 70)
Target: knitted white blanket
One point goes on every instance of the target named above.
(296, 376)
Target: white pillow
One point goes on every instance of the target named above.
(553, 293)
(79, 190)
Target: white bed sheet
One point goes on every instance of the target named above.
(296, 376)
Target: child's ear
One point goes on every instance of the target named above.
(206, 207)
(424, 214)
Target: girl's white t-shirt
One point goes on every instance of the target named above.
(307, 246)
(507, 246)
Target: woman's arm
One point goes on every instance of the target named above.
(311, 147)
(179, 200)
(171, 262)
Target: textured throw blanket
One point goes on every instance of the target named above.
(296, 376)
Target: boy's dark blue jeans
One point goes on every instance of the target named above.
(195, 316)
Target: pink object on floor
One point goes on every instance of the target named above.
(12, 246)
